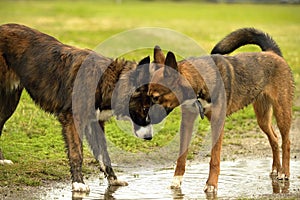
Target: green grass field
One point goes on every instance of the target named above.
(32, 138)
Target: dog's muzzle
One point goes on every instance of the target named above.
(143, 132)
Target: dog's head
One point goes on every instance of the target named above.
(140, 102)
(165, 88)
(147, 106)
(130, 100)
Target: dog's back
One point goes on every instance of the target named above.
(27, 55)
(254, 73)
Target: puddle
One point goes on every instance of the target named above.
(247, 178)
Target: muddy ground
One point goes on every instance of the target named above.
(250, 147)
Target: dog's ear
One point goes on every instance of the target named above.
(170, 64)
(142, 71)
(159, 57)
(144, 61)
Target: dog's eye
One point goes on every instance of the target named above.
(155, 99)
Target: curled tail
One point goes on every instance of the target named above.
(246, 36)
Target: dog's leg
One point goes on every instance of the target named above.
(9, 100)
(283, 117)
(263, 110)
(75, 154)
(214, 165)
(97, 142)
(186, 130)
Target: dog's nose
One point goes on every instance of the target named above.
(147, 138)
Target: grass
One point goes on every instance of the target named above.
(32, 138)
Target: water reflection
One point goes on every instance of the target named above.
(177, 193)
(109, 192)
(280, 186)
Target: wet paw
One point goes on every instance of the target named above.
(210, 189)
(278, 175)
(281, 176)
(6, 162)
(80, 187)
(176, 183)
(116, 182)
(274, 173)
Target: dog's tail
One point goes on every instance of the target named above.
(246, 36)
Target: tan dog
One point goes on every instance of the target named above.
(225, 84)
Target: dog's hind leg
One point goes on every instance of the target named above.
(283, 115)
(73, 144)
(263, 110)
(9, 99)
(186, 129)
(96, 139)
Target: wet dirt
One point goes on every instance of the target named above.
(242, 178)
(245, 170)
(245, 175)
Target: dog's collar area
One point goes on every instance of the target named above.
(192, 103)
(202, 99)
(200, 107)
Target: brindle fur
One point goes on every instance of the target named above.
(262, 79)
(47, 69)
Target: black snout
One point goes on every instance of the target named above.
(147, 138)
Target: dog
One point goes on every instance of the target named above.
(218, 85)
(78, 87)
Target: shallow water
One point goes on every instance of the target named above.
(247, 178)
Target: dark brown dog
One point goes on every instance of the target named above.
(77, 86)
(220, 85)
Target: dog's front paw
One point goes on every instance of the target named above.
(210, 189)
(80, 187)
(282, 176)
(176, 183)
(6, 162)
(274, 173)
(278, 175)
(116, 182)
